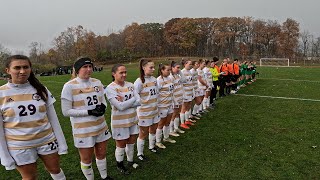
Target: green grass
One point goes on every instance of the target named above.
(243, 138)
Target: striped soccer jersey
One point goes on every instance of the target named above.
(149, 94)
(125, 118)
(188, 84)
(208, 76)
(194, 73)
(24, 113)
(165, 86)
(85, 95)
(178, 89)
(201, 74)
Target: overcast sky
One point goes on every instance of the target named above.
(26, 21)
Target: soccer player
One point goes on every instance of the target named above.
(165, 86)
(177, 78)
(214, 69)
(147, 93)
(29, 126)
(82, 99)
(235, 76)
(224, 78)
(196, 96)
(202, 86)
(208, 78)
(124, 120)
(187, 95)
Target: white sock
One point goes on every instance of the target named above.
(208, 101)
(140, 146)
(171, 126)
(201, 106)
(158, 135)
(204, 103)
(119, 153)
(182, 118)
(152, 140)
(195, 109)
(166, 132)
(102, 167)
(87, 171)
(130, 152)
(187, 114)
(59, 176)
(176, 123)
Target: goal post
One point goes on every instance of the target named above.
(274, 62)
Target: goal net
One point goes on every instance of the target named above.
(274, 62)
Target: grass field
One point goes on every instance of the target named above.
(244, 137)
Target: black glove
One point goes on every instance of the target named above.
(101, 107)
(95, 112)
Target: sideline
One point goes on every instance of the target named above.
(274, 97)
(291, 80)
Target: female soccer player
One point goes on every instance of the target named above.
(202, 86)
(177, 78)
(124, 120)
(82, 99)
(187, 95)
(29, 126)
(165, 86)
(208, 78)
(147, 94)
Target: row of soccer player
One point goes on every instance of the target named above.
(149, 107)
(234, 75)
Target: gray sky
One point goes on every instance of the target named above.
(25, 21)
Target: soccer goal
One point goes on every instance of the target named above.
(274, 62)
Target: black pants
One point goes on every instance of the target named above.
(222, 83)
(214, 91)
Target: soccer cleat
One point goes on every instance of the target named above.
(184, 126)
(195, 117)
(199, 115)
(169, 140)
(179, 131)
(193, 121)
(142, 157)
(189, 123)
(160, 145)
(133, 164)
(122, 169)
(201, 112)
(154, 150)
(174, 134)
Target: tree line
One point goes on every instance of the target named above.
(235, 37)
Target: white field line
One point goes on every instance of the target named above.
(298, 80)
(274, 97)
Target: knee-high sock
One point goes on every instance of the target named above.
(204, 103)
(87, 170)
(102, 167)
(187, 115)
(140, 146)
(158, 135)
(195, 109)
(176, 123)
(59, 176)
(152, 140)
(119, 153)
(130, 152)
(182, 117)
(166, 132)
(171, 126)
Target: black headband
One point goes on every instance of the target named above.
(81, 62)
